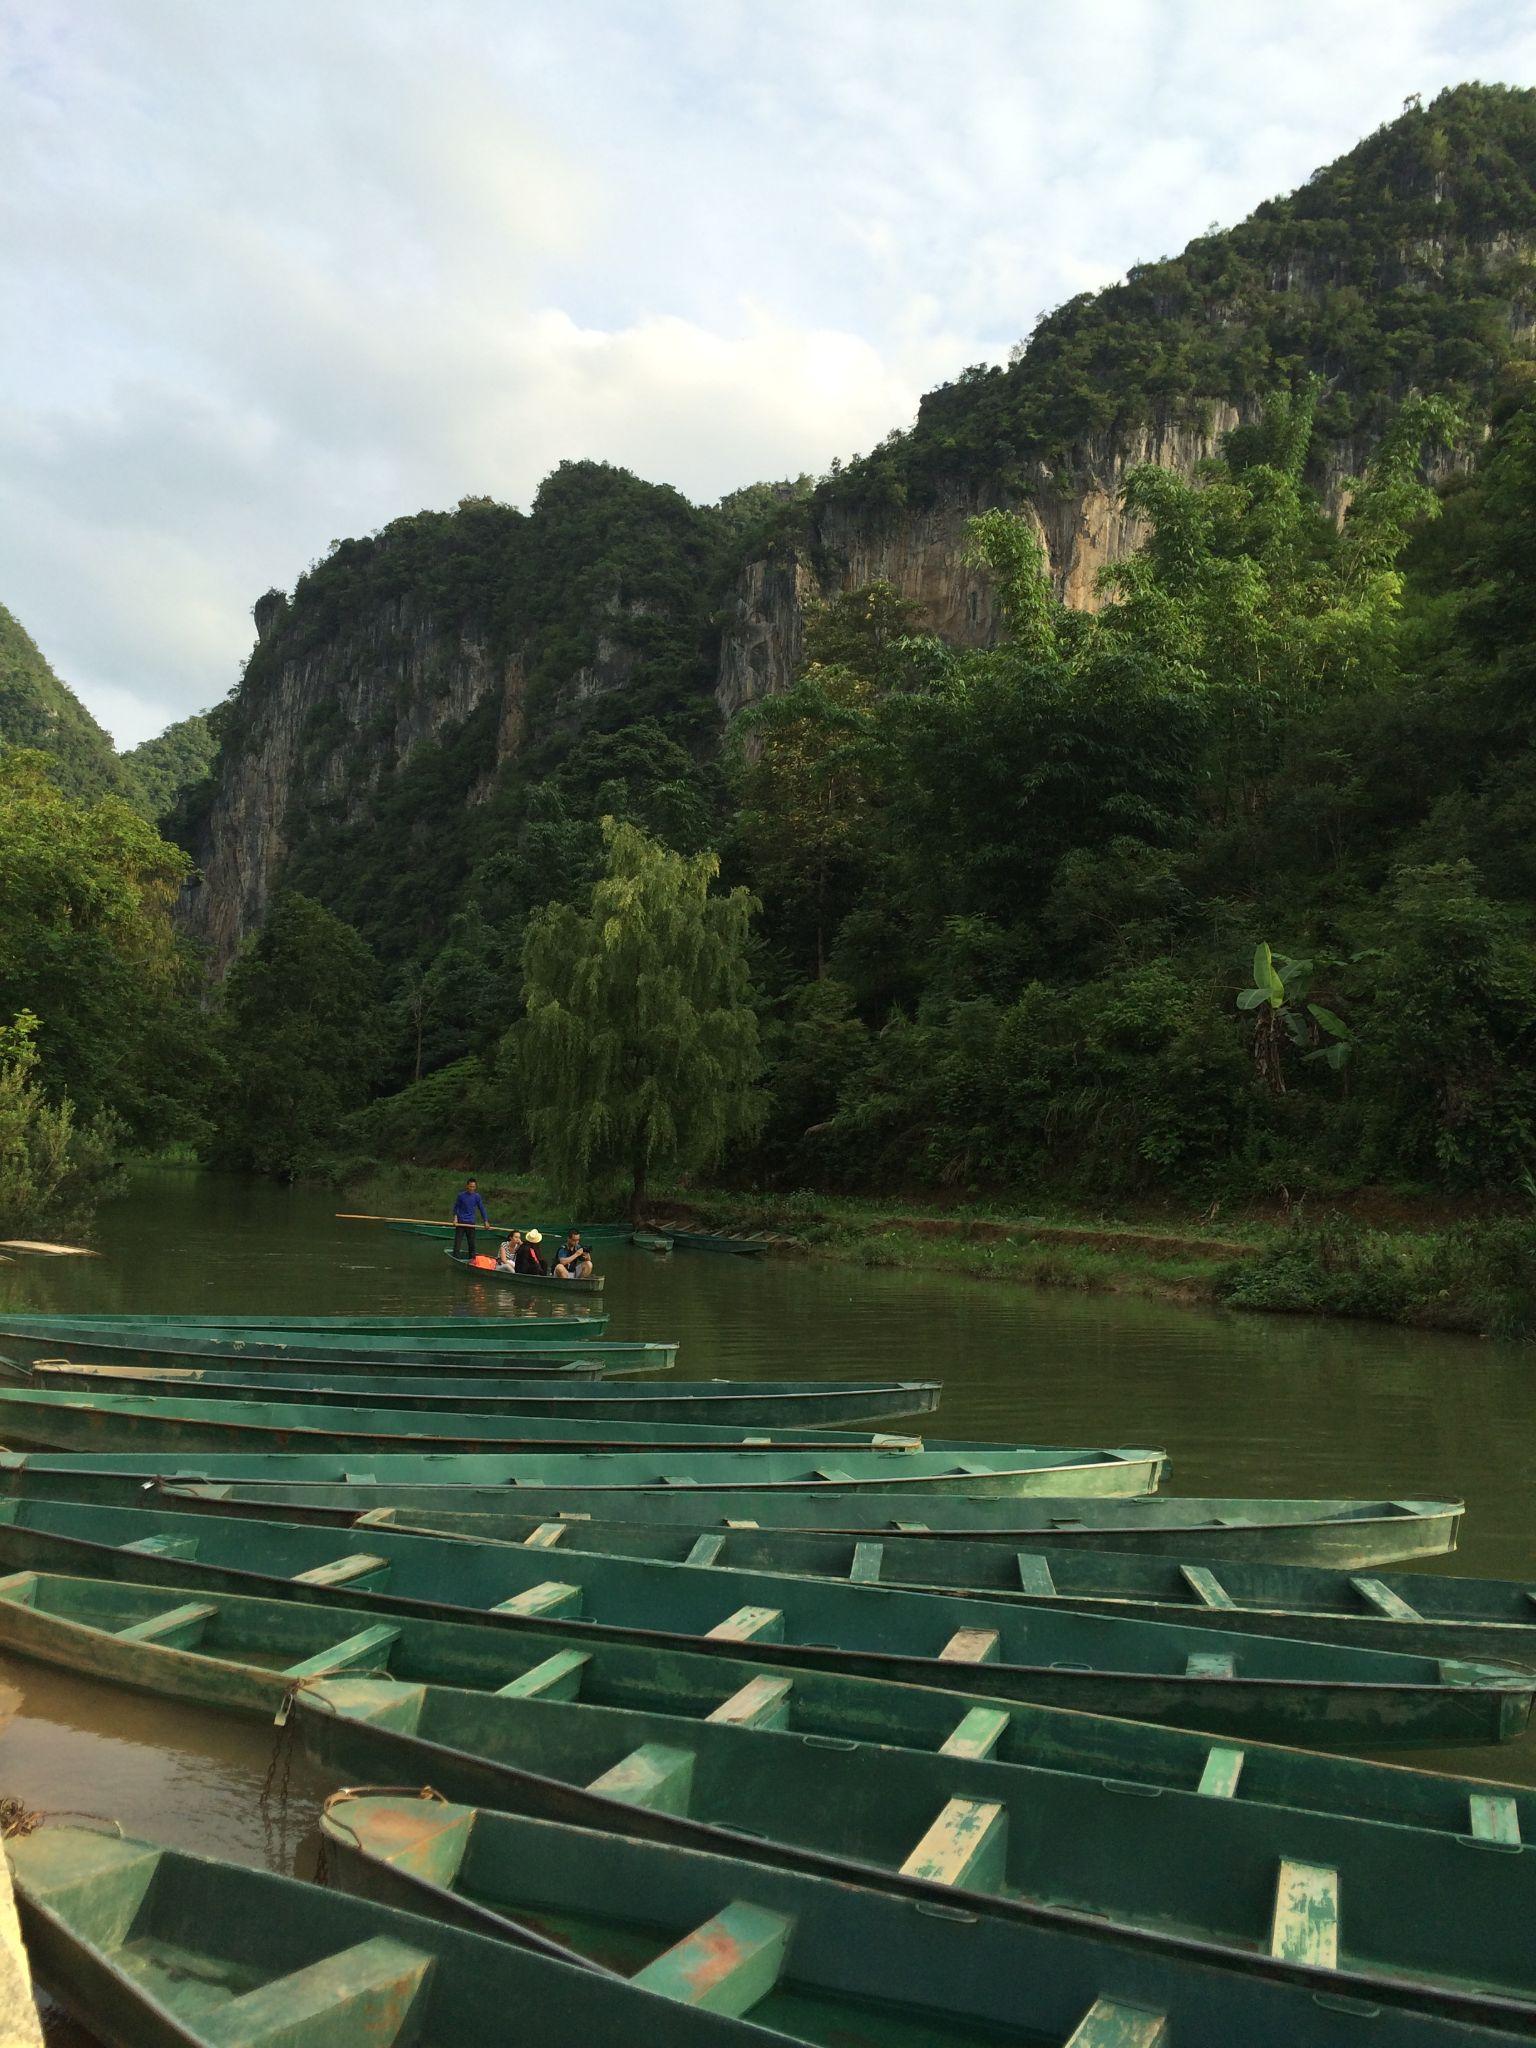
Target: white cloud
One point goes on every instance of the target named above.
(277, 273)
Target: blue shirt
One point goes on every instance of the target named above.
(467, 1207)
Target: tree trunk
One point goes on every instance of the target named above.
(637, 1194)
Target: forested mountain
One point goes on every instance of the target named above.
(37, 710)
(1133, 759)
(161, 769)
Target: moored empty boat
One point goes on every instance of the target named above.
(727, 1758)
(114, 1475)
(153, 1948)
(1346, 1533)
(1261, 1687)
(1429, 1613)
(150, 1344)
(649, 1909)
(779, 1403)
(178, 1421)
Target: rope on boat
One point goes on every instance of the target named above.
(17, 1819)
(322, 1856)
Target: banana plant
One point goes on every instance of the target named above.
(1286, 1014)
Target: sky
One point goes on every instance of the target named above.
(273, 274)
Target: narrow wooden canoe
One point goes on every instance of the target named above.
(718, 1241)
(180, 1422)
(833, 1951)
(781, 1404)
(239, 1652)
(573, 1324)
(1425, 1613)
(891, 1815)
(392, 1476)
(464, 1322)
(1270, 1891)
(153, 1948)
(1344, 1533)
(593, 1285)
(303, 1347)
(1252, 1686)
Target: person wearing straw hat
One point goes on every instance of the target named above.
(529, 1258)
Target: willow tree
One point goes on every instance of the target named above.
(639, 1052)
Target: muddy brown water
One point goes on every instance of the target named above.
(1243, 1403)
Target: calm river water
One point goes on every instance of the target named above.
(1244, 1404)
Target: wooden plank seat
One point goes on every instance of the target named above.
(362, 1993)
(370, 1646)
(344, 1571)
(728, 1964)
(653, 1775)
(177, 1629)
(967, 1844)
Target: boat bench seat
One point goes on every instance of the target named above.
(725, 1966)
(763, 1702)
(967, 1844)
(177, 1628)
(550, 1596)
(971, 1646)
(369, 1646)
(343, 1571)
(764, 1624)
(1109, 2024)
(653, 1776)
(371, 1988)
(978, 1734)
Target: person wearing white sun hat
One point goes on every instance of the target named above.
(529, 1258)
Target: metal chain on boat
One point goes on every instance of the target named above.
(18, 1819)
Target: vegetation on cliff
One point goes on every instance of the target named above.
(39, 713)
(1395, 270)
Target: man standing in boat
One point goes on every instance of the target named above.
(468, 1209)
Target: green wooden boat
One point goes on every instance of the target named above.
(392, 1476)
(504, 1277)
(1425, 1613)
(464, 1322)
(1253, 1686)
(152, 1948)
(305, 1347)
(651, 1241)
(239, 1652)
(780, 1404)
(747, 1245)
(1271, 1890)
(725, 1756)
(640, 1907)
(1344, 1533)
(179, 1422)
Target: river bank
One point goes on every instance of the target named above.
(1474, 1275)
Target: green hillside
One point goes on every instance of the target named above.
(1403, 266)
(37, 710)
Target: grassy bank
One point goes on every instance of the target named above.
(1476, 1275)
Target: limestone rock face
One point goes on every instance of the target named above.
(1076, 512)
(328, 723)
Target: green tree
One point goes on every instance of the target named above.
(53, 1169)
(639, 1052)
(300, 1037)
(87, 945)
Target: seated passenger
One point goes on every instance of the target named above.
(506, 1257)
(529, 1257)
(574, 1261)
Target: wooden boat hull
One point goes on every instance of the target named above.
(239, 1648)
(503, 1278)
(470, 1324)
(392, 1476)
(152, 1948)
(612, 1900)
(181, 1422)
(1222, 1875)
(850, 1963)
(1425, 1613)
(1347, 1534)
(717, 1241)
(1326, 1695)
(863, 1810)
(779, 1404)
(305, 1348)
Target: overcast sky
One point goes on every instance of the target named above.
(271, 274)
